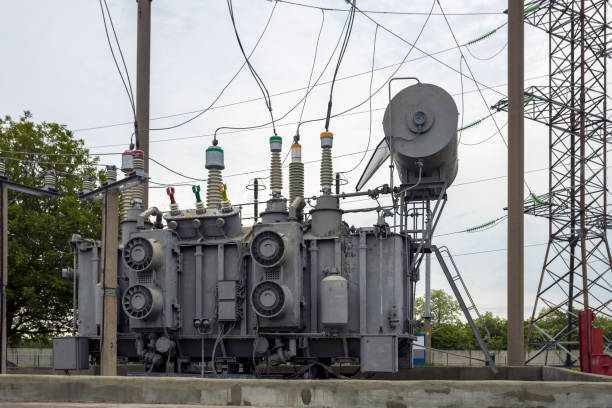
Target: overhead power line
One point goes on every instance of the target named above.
(201, 111)
(128, 85)
(409, 13)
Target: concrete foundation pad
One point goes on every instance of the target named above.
(302, 393)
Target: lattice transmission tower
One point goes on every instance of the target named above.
(577, 267)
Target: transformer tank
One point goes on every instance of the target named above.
(299, 287)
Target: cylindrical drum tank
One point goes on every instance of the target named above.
(421, 122)
(334, 301)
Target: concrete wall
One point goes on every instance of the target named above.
(301, 393)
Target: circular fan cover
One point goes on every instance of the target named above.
(268, 299)
(138, 254)
(138, 302)
(268, 248)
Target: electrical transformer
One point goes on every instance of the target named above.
(299, 287)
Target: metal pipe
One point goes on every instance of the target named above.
(516, 170)
(143, 216)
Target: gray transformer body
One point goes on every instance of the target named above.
(284, 289)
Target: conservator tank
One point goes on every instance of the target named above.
(421, 123)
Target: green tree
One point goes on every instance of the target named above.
(444, 308)
(39, 301)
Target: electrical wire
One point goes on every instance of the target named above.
(211, 105)
(486, 139)
(110, 45)
(314, 60)
(347, 37)
(473, 77)
(300, 89)
(57, 154)
(412, 47)
(487, 58)
(427, 54)
(174, 171)
(298, 103)
(370, 105)
(462, 97)
(258, 80)
(412, 13)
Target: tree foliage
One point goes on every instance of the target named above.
(444, 308)
(449, 332)
(39, 301)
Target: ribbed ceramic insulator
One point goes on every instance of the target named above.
(134, 193)
(126, 202)
(111, 175)
(276, 174)
(213, 194)
(327, 171)
(2, 167)
(88, 185)
(226, 206)
(199, 207)
(296, 180)
(49, 180)
(174, 209)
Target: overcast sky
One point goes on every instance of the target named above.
(57, 64)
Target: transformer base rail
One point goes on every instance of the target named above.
(464, 308)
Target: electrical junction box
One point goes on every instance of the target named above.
(226, 295)
(71, 353)
(379, 353)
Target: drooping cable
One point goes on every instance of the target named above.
(370, 104)
(128, 89)
(227, 85)
(347, 37)
(384, 84)
(298, 102)
(384, 67)
(411, 13)
(314, 60)
(473, 77)
(462, 98)
(258, 80)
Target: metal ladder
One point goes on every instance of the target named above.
(452, 279)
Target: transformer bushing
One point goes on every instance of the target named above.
(49, 181)
(296, 173)
(133, 195)
(214, 164)
(111, 174)
(88, 185)
(327, 171)
(276, 172)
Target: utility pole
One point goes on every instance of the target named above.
(427, 316)
(4, 271)
(515, 264)
(143, 74)
(108, 269)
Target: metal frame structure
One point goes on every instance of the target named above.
(415, 205)
(5, 185)
(577, 267)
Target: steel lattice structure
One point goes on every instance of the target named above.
(577, 268)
